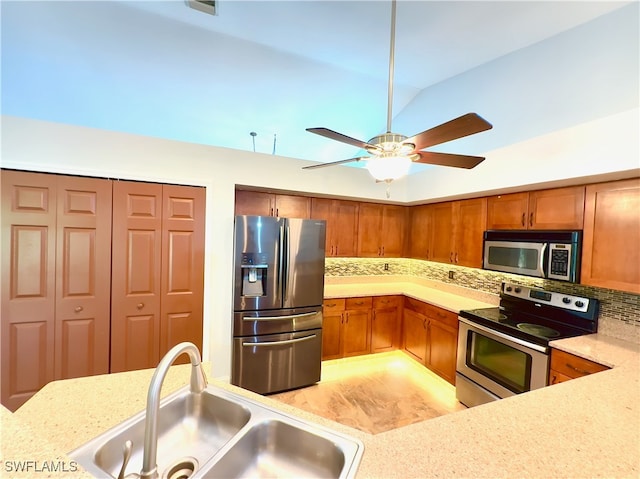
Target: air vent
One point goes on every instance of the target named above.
(206, 6)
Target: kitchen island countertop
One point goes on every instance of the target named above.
(587, 427)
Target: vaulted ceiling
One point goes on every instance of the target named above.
(161, 68)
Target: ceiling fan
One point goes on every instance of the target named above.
(392, 153)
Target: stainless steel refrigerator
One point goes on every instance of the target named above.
(278, 293)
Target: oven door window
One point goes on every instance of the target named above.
(500, 362)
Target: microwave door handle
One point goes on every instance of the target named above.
(543, 254)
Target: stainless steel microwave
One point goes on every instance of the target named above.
(543, 254)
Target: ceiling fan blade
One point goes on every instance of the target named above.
(462, 126)
(448, 159)
(333, 163)
(334, 135)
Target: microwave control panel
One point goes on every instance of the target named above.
(559, 261)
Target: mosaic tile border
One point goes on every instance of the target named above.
(619, 311)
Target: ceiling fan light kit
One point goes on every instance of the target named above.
(392, 153)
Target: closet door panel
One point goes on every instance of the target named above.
(28, 279)
(136, 270)
(182, 266)
(83, 271)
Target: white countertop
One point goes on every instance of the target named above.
(587, 427)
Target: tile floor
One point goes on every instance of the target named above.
(375, 393)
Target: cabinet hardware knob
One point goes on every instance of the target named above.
(523, 218)
(456, 257)
(140, 305)
(451, 257)
(77, 309)
(531, 219)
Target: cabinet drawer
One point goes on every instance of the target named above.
(359, 303)
(334, 304)
(415, 305)
(442, 315)
(573, 366)
(380, 302)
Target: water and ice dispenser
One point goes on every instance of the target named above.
(254, 270)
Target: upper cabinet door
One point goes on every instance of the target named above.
(254, 203)
(559, 208)
(393, 231)
(470, 218)
(369, 227)
(258, 203)
(442, 233)
(508, 212)
(289, 206)
(419, 241)
(611, 256)
(553, 209)
(342, 225)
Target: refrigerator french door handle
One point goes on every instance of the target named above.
(280, 343)
(271, 318)
(282, 269)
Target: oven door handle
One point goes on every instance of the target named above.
(280, 343)
(501, 335)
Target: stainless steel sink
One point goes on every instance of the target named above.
(218, 433)
(274, 448)
(189, 425)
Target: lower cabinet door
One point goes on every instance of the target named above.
(357, 324)
(415, 335)
(443, 343)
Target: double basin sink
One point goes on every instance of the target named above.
(217, 433)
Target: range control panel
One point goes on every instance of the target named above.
(559, 300)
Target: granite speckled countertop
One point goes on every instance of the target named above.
(587, 427)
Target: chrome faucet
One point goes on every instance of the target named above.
(198, 383)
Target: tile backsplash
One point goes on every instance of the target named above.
(619, 311)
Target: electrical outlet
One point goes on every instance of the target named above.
(386, 266)
(451, 275)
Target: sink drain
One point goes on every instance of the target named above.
(181, 469)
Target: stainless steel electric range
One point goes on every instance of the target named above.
(504, 351)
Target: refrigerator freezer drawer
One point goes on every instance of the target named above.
(254, 323)
(277, 362)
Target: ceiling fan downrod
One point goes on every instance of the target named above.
(392, 47)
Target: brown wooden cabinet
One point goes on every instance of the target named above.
(557, 208)
(381, 230)
(414, 329)
(270, 204)
(457, 229)
(346, 329)
(442, 344)
(342, 225)
(611, 256)
(565, 366)
(56, 232)
(430, 335)
(420, 233)
(157, 271)
(385, 323)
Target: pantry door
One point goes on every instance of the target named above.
(182, 266)
(136, 269)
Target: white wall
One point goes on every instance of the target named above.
(35, 145)
(606, 147)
